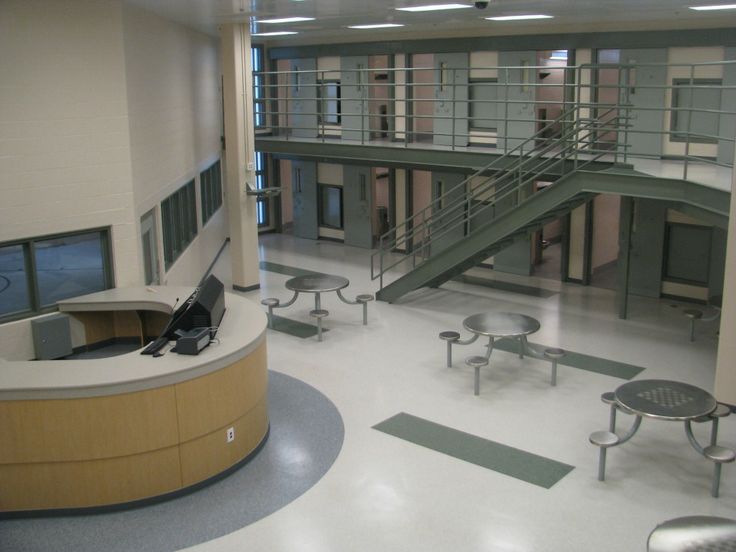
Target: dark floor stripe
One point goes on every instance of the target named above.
(284, 269)
(505, 286)
(294, 327)
(581, 361)
(510, 461)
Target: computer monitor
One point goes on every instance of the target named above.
(203, 309)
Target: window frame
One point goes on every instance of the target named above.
(210, 191)
(322, 100)
(493, 84)
(258, 61)
(178, 221)
(31, 277)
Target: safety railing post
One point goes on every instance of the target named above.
(689, 121)
(453, 108)
(506, 112)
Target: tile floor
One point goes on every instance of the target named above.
(385, 494)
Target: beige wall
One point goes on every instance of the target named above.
(175, 114)
(65, 162)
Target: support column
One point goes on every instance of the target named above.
(239, 155)
(725, 384)
(624, 256)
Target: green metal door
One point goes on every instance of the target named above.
(354, 98)
(304, 198)
(303, 98)
(516, 78)
(451, 99)
(357, 206)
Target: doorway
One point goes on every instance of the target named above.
(149, 243)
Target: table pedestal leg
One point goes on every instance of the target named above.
(522, 345)
(317, 302)
(490, 347)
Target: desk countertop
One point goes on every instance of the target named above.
(242, 329)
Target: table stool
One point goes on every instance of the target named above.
(719, 456)
(476, 362)
(693, 315)
(451, 337)
(603, 440)
(690, 533)
(554, 354)
(319, 314)
(609, 398)
(363, 300)
(270, 302)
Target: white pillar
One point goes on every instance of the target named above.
(725, 384)
(239, 155)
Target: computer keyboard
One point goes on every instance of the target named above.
(155, 346)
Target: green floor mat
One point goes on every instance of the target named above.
(294, 327)
(504, 459)
(284, 269)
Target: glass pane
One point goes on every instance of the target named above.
(14, 295)
(331, 206)
(69, 266)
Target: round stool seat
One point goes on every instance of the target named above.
(721, 411)
(270, 302)
(364, 298)
(690, 533)
(720, 455)
(318, 313)
(476, 361)
(604, 439)
(449, 336)
(555, 353)
(609, 397)
(694, 314)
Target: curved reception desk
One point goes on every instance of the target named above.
(110, 431)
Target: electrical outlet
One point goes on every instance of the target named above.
(230, 434)
(251, 166)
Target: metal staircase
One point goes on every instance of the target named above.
(465, 225)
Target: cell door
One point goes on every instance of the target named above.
(304, 199)
(358, 206)
(516, 78)
(303, 98)
(354, 98)
(150, 248)
(451, 99)
(448, 212)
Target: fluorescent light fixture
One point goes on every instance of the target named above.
(711, 8)
(435, 7)
(518, 17)
(376, 26)
(277, 33)
(286, 20)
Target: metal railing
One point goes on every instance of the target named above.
(501, 106)
(478, 203)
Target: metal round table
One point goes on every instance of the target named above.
(502, 325)
(665, 400)
(316, 283)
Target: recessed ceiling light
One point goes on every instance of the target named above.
(435, 7)
(709, 8)
(376, 26)
(518, 17)
(286, 20)
(276, 33)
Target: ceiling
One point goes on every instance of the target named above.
(334, 16)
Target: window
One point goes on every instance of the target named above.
(701, 127)
(35, 274)
(210, 190)
(263, 203)
(483, 96)
(330, 206)
(259, 87)
(329, 103)
(179, 222)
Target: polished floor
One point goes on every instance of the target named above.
(385, 493)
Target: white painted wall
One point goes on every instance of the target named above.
(175, 116)
(65, 162)
(104, 111)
